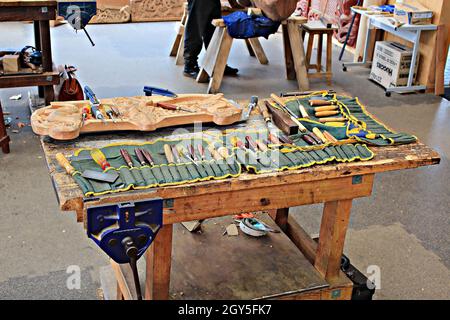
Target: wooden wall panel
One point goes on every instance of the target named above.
(156, 10)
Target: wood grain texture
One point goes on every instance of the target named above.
(156, 10)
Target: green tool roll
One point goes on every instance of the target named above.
(160, 173)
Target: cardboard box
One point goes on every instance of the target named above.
(412, 12)
(391, 64)
(10, 63)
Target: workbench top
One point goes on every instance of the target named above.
(27, 3)
(70, 197)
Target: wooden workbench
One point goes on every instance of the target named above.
(335, 185)
(40, 12)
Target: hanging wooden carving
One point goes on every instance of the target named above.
(345, 15)
(156, 10)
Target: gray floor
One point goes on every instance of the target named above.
(403, 229)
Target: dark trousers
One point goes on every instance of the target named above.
(199, 29)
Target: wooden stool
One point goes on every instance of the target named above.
(216, 56)
(314, 28)
(4, 138)
(253, 45)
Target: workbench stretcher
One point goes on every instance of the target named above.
(335, 185)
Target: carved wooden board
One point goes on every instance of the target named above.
(156, 10)
(63, 120)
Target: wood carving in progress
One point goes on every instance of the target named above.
(156, 10)
(63, 120)
(112, 14)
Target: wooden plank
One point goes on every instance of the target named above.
(27, 3)
(298, 54)
(301, 239)
(335, 219)
(43, 79)
(287, 195)
(22, 13)
(221, 62)
(258, 50)
(159, 261)
(288, 58)
(125, 281)
(441, 59)
(281, 218)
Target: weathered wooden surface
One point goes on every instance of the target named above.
(26, 3)
(159, 10)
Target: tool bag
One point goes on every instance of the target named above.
(71, 89)
(276, 10)
(243, 26)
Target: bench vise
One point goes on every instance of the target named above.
(117, 229)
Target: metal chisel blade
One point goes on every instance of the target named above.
(109, 177)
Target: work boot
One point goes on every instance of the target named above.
(229, 71)
(191, 70)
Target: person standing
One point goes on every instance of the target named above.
(199, 32)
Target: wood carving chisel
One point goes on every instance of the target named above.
(318, 102)
(172, 107)
(140, 156)
(110, 113)
(303, 93)
(302, 110)
(309, 140)
(323, 114)
(326, 108)
(63, 162)
(267, 117)
(95, 104)
(158, 173)
(127, 158)
(319, 134)
(171, 163)
(207, 167)
(330, 137)
(221, 161)
(252, 105)
(293, 116)
(325, 120)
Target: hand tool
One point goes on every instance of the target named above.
(140, 156)
(302, 110)
(110, 177)
(285, 139)
(267, 117)
(253, 103)
(315, 138)
(319, 134)
(125, 231)
(309, 140)
(326, 108)
(171, 161)
(341, 54)
(325, 120)
(282, 119)
(201, 151)
(261, 157)
(176, 154)
(221, 160)
(150, 91)
(192, 153)
(86, 113)
(330, 137)
(184, 153)
(157, 172)
(251, 144)
(63, 162)
(322, 114)
(318, 103)
(100, 158)
(95, 104)
(116, 112)
(126, 157)
(252, 156)
(293, 116)
(172, 107)
(304, 93)
(262, 146)
(110, 113)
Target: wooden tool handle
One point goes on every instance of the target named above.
(330, 137)
(325, 120)
(140, 156)
(148, 157)
(126, 157)
(320, 103)
(264, 110)
(251, 143)
(326, 108)
(277, 99)
(274, 139)
(63, 162)
(261, 145)
(167, 106)
(214, 152)
(319, 134)
(223, 152)
(326, 113)
(303, 111)
(169, 154)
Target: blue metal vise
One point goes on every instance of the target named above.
(112, 227)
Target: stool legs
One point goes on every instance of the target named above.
(329, 57)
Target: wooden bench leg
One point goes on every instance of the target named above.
(335, 219)
(249, 48)
(309, 47)
(280, 217)
(159, 261)
(211, 55)
(288, 58)
(258, 50)
(180, 53)
(298, 54)
(329, 57)
(319, 53)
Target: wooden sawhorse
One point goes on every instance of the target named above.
(253, 45)
(215, 60)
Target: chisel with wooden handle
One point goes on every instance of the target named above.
(330, 137)
(325, 120)
(293, 116)
(319, 134)
(171, 161)
(140, 156)
(322, 114)
(303, 111)
(326, 108)
(172, 107)
(221, 162)
(63, 162)
(320, 103)
(267, 117)
(126, 157)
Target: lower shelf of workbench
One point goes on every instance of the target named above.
(209, 265)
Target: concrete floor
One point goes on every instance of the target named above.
(403, 229)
